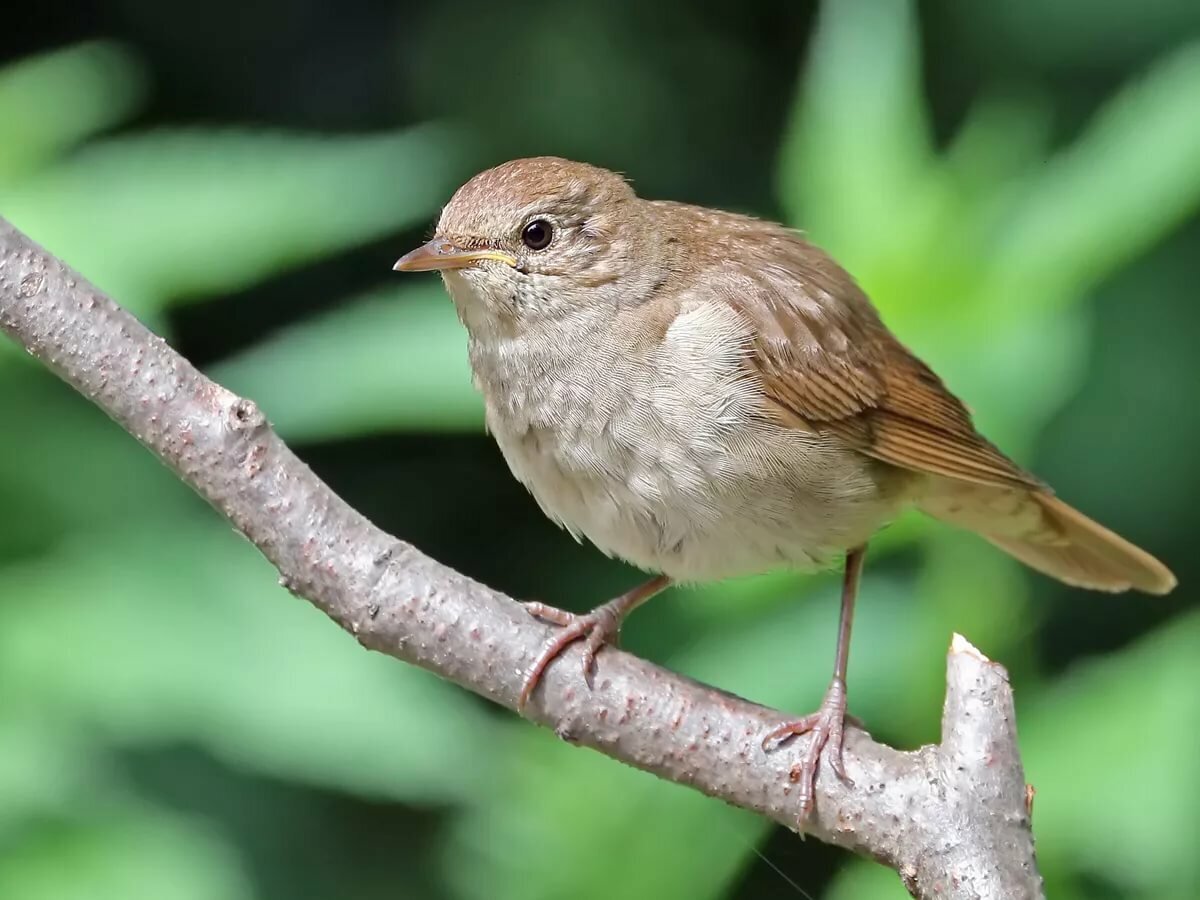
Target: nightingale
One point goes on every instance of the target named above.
(707, 395)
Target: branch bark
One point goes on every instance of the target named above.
(952, 820)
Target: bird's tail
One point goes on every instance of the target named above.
(1048, 535)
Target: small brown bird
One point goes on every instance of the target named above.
(708, 395)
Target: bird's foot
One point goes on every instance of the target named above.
(599, 627)
(827, 727)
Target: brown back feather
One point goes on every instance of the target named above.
(827, 363)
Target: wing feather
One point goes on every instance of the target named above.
(826, 362)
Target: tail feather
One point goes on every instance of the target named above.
(1049, 536)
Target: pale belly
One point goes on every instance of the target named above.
(659, 452)
(699, 504)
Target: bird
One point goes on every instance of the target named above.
(706, 395)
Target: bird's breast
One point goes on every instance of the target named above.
(658, 453)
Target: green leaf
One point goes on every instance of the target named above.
(173, 215)
(52, 486)
(1133, 175)
(1071, 38)
(860, 879)
(1111, 745)
(856, 154)
(1002, 138)
(178, 631)
(125, 852)
(50, 102)
(394, 359)
(586, 827)
(45, 766)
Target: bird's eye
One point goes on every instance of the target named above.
(537, 234)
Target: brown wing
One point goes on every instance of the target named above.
(827, 363)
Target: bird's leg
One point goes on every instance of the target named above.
(599, 627)
(827, 724)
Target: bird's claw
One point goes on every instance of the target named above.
(827, 727)
(596, 629)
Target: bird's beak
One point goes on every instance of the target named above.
(442, 254)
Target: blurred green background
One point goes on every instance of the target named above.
(1016, 184)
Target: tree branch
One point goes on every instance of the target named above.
(952, 820)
